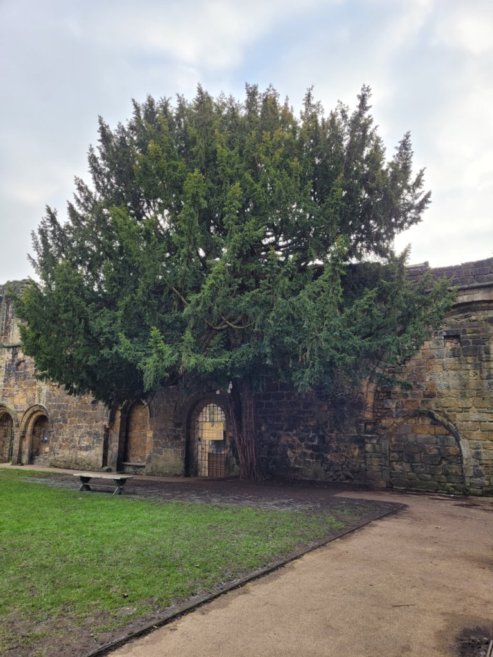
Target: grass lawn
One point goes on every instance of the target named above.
(76, 567)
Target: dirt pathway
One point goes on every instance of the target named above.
(403, 586)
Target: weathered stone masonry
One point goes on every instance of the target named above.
(439, 432)
(39, 422)
(435, 433)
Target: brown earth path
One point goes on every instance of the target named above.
(404, 586)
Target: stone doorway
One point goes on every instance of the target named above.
(6, 437)
(210, 452)
(40, 441)
(136, 436)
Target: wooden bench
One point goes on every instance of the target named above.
(119, 480)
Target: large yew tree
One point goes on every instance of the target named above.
(225, 242)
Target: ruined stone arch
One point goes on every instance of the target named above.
(35, 434)
(210, 450)
(426, 451)
(8, 431)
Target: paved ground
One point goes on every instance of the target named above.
(407, 585)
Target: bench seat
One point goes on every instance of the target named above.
(119, 480)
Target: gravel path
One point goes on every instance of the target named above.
(415, 584)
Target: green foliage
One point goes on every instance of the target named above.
(229, 241)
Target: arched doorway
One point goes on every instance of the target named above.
(6, 437)
(210, 449)
(40, 440)
(136, 435)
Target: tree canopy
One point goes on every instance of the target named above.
(225, 241)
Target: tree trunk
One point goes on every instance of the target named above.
(242, 417)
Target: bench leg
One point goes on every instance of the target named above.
(84, 483)
(119, 487)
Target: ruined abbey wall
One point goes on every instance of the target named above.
(439, 431)
(39, 422)
(433, 432)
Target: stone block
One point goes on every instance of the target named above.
(169, 463)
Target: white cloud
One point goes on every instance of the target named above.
(466, 26)
(429, 63)
(403, 21)
(207, 34)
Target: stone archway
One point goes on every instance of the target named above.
(137, 436)
(6, 436)
(426, 454)
(210, 451)
(40, 440)
(35, 433)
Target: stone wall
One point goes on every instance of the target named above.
(435, 433)
(440, 429)
(298, 440)
(166, 444)
(72, 428)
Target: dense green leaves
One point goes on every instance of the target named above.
(226, 241)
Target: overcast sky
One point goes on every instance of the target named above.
(429, 63)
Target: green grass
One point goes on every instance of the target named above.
(71, 562)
